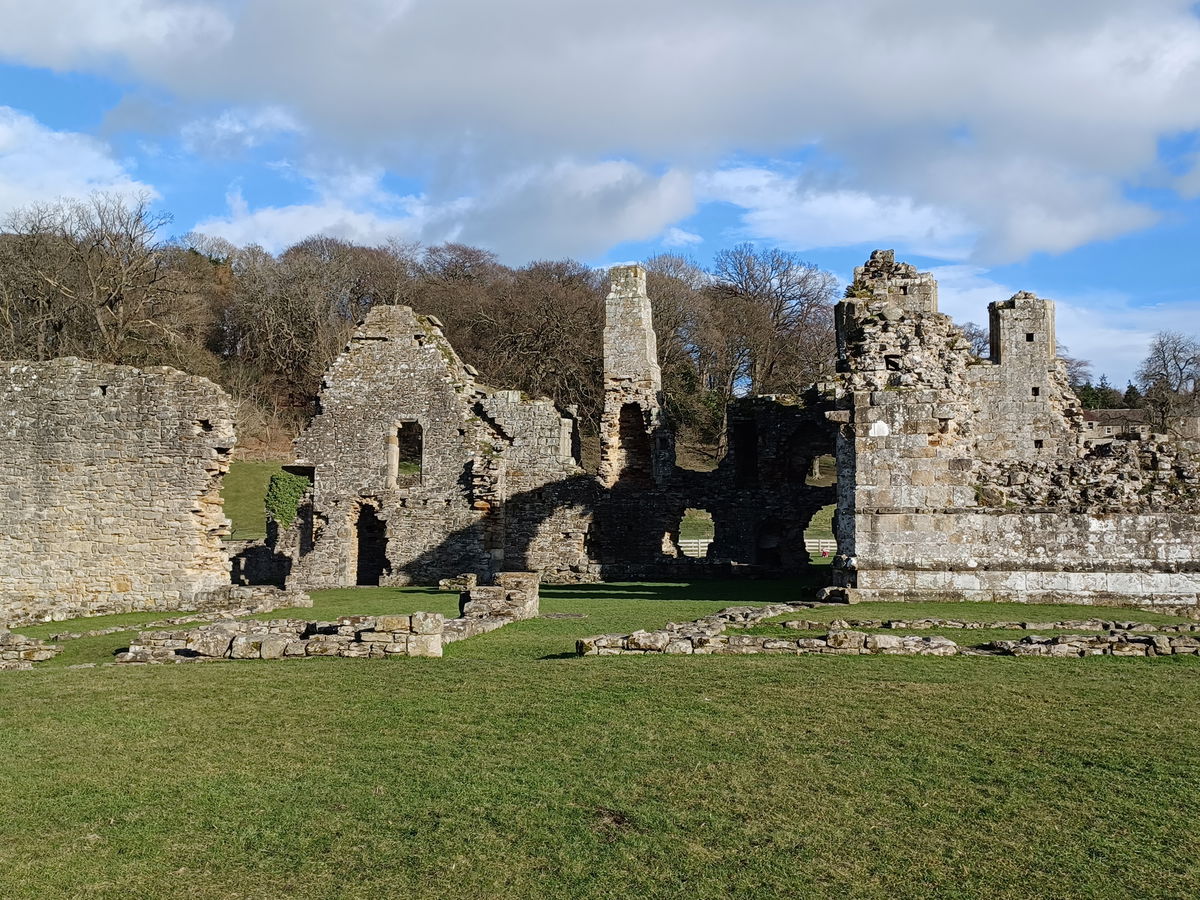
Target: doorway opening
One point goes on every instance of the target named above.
(370, 538)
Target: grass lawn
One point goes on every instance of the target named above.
(511, 769)
(243, 488)
(697, 524)
(821, 525)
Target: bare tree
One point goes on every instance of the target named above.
(85, 277)
(979, 338)
(1079, 371)
(1169, 377)
(782, 307)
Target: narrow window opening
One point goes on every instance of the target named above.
(1038, 444)
(405, 455)
(104, 390)
(891, 362)
(1037, 392)
(633, 447)
(1029, 337)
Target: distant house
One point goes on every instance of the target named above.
(1116, 424)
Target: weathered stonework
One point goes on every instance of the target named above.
(974, 479)
(707, 637)
(111, 480)
(385, 512)
(513, 598)
(20, 652)
(497, 485)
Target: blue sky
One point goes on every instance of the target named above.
(1016, 146)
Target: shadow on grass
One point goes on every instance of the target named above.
(726, 592)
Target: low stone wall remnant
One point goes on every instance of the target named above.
(514, 597)
(20, 652)
(418, 634)
(1117, 643)
(706, 636)
(919, 624)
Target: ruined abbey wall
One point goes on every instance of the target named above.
(412, 459)
(497, 486)
(972, 478)
(111, 481)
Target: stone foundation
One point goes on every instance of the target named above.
(20, 652)
(513, 598)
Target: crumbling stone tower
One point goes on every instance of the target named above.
(636, 449)
(969, 478)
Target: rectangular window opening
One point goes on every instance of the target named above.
(1037, 392)
(1029, 337)
(1038, 443)
(405, 454)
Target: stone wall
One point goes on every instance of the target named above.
(499, 486)
(378, 518)
(20, 652)
(513, 598)
(112, 489)
(707, 637)
(364, 637)
(966, 478)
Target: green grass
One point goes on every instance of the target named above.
(506, 769)
(697, 524)
(244, 487)
(821, 525)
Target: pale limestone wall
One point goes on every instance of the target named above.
(973, 479)
(110, 478)
(635, 446)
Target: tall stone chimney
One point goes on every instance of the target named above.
(635, 447)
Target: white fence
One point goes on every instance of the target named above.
(699, 546)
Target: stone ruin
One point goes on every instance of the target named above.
(513, 598)
(111, 479)
(958, 477)
(421, 472)
(975, 479)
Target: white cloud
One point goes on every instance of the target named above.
(784, 210)
(38, 164)
(572, 209)
(959, 127)
(278, 227)
(143, 33)
(566, 209)
(678, 237)
(236, 130)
